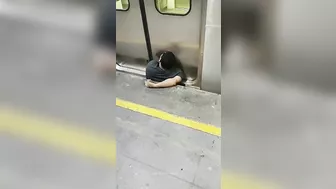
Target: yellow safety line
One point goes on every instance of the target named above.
(58, 134)
(234, 181)
(86, 143)
(210, 129)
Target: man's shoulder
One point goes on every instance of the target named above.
(153, 62)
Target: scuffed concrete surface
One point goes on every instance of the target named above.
(182, 101)
(154, 153)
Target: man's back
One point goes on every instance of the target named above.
(155, 73)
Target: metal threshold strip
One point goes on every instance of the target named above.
(131, 70)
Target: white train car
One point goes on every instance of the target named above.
(189, 28)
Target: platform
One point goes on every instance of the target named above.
(58, 121)
(157, 153)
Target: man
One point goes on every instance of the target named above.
(165, 72)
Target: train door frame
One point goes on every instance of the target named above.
(201, 40)
(146, 29)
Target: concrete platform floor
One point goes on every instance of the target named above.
(161, 154)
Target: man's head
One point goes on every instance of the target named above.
(167, 60)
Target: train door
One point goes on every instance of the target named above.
(178, 22)
(144, 29)
(131, 48)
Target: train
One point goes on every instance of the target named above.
(189, 28)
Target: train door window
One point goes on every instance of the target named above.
(122, 5)
(173, 7)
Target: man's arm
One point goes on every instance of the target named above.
(171, 82)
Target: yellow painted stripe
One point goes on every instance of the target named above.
(210, 129)
(234, 181)
(89, 144)
(57, 134)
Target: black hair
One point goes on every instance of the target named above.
(168, 60)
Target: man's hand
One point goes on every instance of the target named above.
(171, 82)
(149, 83)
